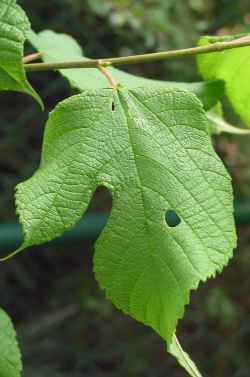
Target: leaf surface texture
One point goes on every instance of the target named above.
(150, 147)
(14, 26)
(232, 66)
(10, 357)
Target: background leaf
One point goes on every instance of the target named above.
(152, 151)
(68, 49)
(10, 357)
(14, 26)
(233, 67)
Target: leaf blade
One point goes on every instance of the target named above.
(14, 26)
(232, 67)
(10, 357)
(153, 153)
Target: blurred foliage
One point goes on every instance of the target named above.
(66, 326)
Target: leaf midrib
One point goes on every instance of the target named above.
(131, 143)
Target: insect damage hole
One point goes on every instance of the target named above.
(171, 218)
(113, 106)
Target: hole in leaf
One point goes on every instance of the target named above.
(113, 106)
(172, 219)
(101, 201)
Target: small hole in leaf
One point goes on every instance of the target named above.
(113, 106)
(172, 219)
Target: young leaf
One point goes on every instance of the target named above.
(10, 357)
(151, 149)
(14, 26)
(67, 49)
(233, 67)
(183, 358)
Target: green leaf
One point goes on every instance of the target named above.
(183, 358)
(233, 67)
(10, 357)
(151, 149)
(67, 49)
(14, 26)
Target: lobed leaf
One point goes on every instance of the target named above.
(232, 66)
(67, 49)
(14, 26)
(10, 357)
(151, 148)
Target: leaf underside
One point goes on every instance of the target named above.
(14, 26)
(67, 49)
(10, 357)
(150, 147)
(233, 67)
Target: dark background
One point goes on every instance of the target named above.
(66, 327)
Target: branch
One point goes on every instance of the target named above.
(134, 59)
